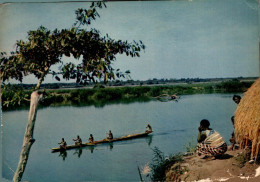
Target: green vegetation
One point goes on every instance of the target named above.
(161, 164)
(234, 86)
(15, 97)
(171, 167)
(241, 159)
(191, 147)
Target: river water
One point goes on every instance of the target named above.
(174, 123)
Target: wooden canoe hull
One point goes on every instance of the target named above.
(127, 137)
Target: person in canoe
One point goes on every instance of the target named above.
(78, 140)
(110, 135)
(149, 128)
(91, 139)
(210, 143)
(63, 144)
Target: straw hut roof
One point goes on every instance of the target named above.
(247, 119)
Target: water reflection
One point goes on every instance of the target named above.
(149, 139)
(111, 145)
(169, 132)
(63, 154)
(91, 148)
(78, 151)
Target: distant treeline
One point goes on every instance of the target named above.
(15, 96)
(153, 81)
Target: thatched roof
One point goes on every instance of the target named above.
(247, 119)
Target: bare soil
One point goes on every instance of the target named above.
(231, 167)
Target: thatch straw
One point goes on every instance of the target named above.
(247, 119)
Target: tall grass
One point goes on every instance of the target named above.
(161, 164)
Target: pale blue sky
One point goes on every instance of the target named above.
(184, 39)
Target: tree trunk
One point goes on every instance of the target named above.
(39, 83)
(28, 137)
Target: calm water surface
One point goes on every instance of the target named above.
(174, 123)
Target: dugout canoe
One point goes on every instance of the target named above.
(127, 137)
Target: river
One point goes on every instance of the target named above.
(174, 123)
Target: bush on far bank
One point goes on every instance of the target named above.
(16, 97)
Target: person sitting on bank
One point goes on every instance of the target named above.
(90, 139)
(236, 99)
(232, 139)
(210, 142)
(78, 140)
(149, 128)
(110, 135)
(63, 144)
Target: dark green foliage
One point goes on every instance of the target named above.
(81, 95)
(13, 96)
(234, 86)
(100, 96)
(108, 94)
(161, 164)
(50, 98)
(137, 91)
(155, 91)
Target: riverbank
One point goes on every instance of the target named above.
(15, 97)
(232, 167)
(174, 124)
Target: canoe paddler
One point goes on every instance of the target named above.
(77, 141)
(110, 135)
(90, 139)
(63, 144)
(149, 128)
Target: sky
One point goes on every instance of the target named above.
(184, 38)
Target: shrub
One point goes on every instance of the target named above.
(234, 85)
(161, 164)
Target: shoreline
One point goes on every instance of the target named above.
(228, 168)
(120, 94)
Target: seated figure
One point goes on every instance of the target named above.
(78, 140)
(210, 142)
(91, 139)
(149, 128)
(63, 144)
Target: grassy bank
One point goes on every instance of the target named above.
(13, 95)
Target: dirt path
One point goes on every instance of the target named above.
(231, 168)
